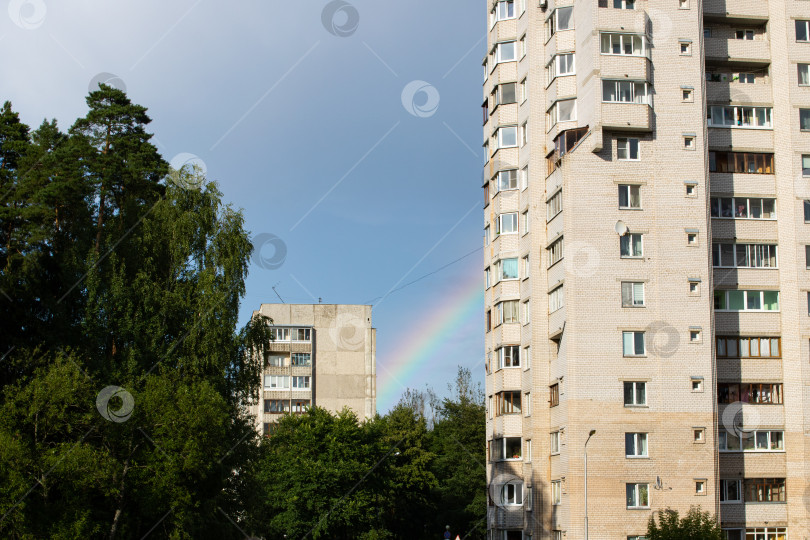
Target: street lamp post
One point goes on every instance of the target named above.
(586, 481)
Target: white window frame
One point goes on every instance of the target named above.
(806, 23)
(554, 443)
(627, 190)
(512, 309)
(754, 435)
(527, 312)
(746, 294)
(499, 273)
(298, 380)
(276, 382)
(638, 445)
(616, 38)
(627, 143)
(635, 397)
(524, 134)
(634, 341)
(507, 223)
(554, 112)
(512, 494)
(738, 112)
(556, 252)
(739, 200)
(631, 244)
(556, 299)
(501, 10)
(634, 291)
(752, 252)
(620, 90)
(505, 360)
(556, 492)
(553, 206)
(636, 493)
(502, 131)
(506, 180)
(526, 267)
(803, 73)
(500, 51)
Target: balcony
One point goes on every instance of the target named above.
(736, 11)
(633, 21)
(624, 67)
(735, 92)
(627, 116)
(738, 52)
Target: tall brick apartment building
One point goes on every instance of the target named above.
(647, 256)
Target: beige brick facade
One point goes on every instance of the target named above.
(323, 355)
(663, 93)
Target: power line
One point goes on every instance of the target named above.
(420, 278)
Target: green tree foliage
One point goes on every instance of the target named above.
(113, 277)
(696, 525)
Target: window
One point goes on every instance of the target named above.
(752, 441)
(507, 223)
(489, 323)
(523, 46)
(804, 74)
(508, 356)
(629, 196)
(743, 208)
(561, 19)
(687, 95)
(697, 385)
(804, 125)
(302, 334)
(689, 142)
(631, 245)
(744, 78)
(741, 162)
(633, 343)
(523, 91)
(744, 255)
(564, 64)
(632, 294)
(554, 395)
(528, 456)
(487, 195)
(280, 334)
(556, 492)
(555, 442)
(806, 211)
(744, 34)
(707, 31)
(562, 111)
(556, 299)
(700, 487)
(527, 312)
(618, 4)
(301, 382)
(527, 357)
(635, 393)
(686, 48)
(504, 9)
(507, 402)
(625, 92)
(698, 435)
(300, 406)
(512, 494)
(691, 189)
(555, 251)
(635, 445)
(695, 336)
(507, 137)
(507, 269)
(756, 533)
(281, 382)
(807, 256)
(638, 495)
(627, 149)
(683, 4)
(486, 235)
(507, 180)
(740, 117)
(269, 428)
(524, 134)
(507, 311)
(505, 448)
(527, 403)
(806, 159)
(624, 44)
(754, 393)
(302, 359)
(764, 490)
(736, 300)
(505, 94)
(554, 205)
(524, 177)
(275, 360)
(276, 406)
(486, 152)
(526, 267)
(506, 52)
(730, 491)
(802, 30)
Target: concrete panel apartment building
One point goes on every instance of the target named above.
(647, 245)
(322, 355)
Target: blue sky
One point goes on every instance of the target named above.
(303, 129)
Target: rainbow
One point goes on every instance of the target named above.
(462, 306)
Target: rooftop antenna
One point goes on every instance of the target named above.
(279, 296)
